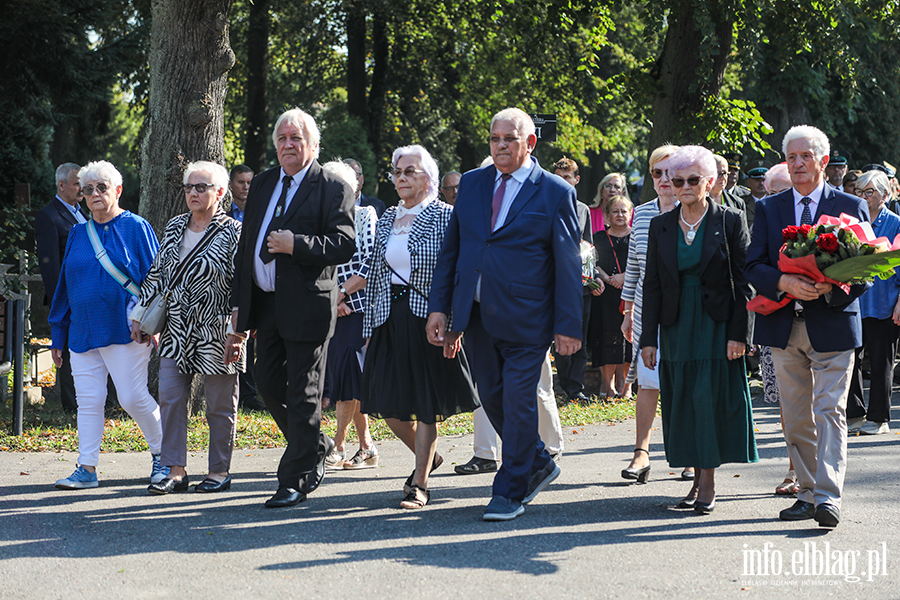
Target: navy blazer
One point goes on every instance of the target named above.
(833, 326)
(530, 267)
(51, 232)
(375, 203)
(320, 216)
(725, 240)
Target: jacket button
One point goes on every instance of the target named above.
(477, 271)
(488, 245)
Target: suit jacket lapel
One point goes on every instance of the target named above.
(65, 213)
(487, 186)
(302, 193)
(528, 190)
(712, 237)
(256, 206)
(826, 204)
(668, 243)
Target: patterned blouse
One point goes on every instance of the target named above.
(364, 221)
(424, 245)
(198, 307)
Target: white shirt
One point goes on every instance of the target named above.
(264, 274)
(74, 210)
(814, 197)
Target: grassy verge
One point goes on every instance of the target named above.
(48, 429)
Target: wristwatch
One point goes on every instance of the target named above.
(343, 291)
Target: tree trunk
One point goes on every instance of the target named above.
(381, 52)
(356, 61)
(257, 134)
(190, 57)
(682, 88)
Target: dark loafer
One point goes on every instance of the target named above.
(167, 486)
(285, 496)
(477, 465)
(314, 478)
(800, 511)
(827, 515)
(211, 485)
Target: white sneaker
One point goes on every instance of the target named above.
(854, 425)
(873, 428)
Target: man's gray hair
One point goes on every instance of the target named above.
(304, 122)
(818, 141)
(518, 116)
(878, 180)
(100, 170)
(447, 174)
(66, 170)
(342, 170)
(217, 173)
(425, 161)
(352, 162)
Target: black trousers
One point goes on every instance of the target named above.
(247, 379)
(880, 340)
(290, 377)
(570, 369)
(65, 383)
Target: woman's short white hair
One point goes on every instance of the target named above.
(878, 180)
(777, 173)
(342, 171)
(696, 156)
(217, 174)
(523, 122)
(302, 121)
(100, 170)
(818, 141)
(425, 161)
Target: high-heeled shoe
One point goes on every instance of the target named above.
(641, 474)
(704, 508)
(687, 502)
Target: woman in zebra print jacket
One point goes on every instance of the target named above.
(197, 337)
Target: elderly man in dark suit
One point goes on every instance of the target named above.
(363, 199)
(812, 337)
(298, 227)
(510, 275)
(51, 231)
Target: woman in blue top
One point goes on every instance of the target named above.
(90, 311)
(880, 311)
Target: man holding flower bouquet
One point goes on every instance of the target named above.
(813, 337)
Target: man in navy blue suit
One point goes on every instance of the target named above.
(509, 275)
(51, 231)
(812, 337)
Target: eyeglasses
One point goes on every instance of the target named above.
(200, 187)
(101, 188)
(691, 181)
(450, 188)
(866, 193)
(723, 173)
(657, 173)
(612, 186)
(408, 172)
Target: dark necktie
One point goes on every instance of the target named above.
(806, 216)
(275, 223)
(497, 202)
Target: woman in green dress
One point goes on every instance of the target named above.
(695, 290)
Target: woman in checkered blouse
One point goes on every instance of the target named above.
(406, 380)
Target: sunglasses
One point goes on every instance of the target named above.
(691, 181)
(656, 173)
(101, 188)
(200, 187)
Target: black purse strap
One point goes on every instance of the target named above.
(408, 284)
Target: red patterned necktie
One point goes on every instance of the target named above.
(497, 202)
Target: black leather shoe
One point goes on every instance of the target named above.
(211, 485)
(827, 515)
(167, 486)
(285, 496)
(800, 511)
(580, 398)
(315, 477)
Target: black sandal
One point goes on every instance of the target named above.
(436, 462)
(416, 498)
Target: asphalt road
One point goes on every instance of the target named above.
(591, 534)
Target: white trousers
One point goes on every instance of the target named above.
(127, 365)
(487, 442)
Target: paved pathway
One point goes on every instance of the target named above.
(589, 535)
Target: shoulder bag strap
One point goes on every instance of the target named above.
(204, 241)
(408, 284)
(102, 256)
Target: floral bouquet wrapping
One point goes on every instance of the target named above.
(588, 263)
(841, 251)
